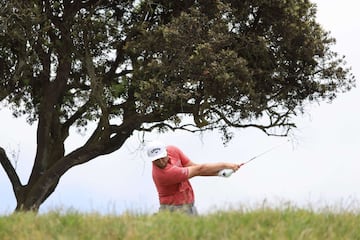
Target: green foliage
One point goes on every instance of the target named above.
(226, 63)
(264, 223)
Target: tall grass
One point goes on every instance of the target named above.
(263, 223)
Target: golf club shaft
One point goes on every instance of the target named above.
(228, 172)
(269, 150)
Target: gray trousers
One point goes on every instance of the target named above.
(185, 208)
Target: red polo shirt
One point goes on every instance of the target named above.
(172, 182)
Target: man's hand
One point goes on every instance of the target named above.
(227, 172)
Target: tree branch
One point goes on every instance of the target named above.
(162, 125)
(10, 171)
(81, 110)
(280, 121)
(118, 60)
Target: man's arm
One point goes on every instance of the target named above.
(190, 163)
(210, 169)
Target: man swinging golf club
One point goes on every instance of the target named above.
(171, 172)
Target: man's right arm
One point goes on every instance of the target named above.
(210, 169)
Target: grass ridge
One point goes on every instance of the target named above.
(263, 223)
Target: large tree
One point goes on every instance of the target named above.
(143, 65)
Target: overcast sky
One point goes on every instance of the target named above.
(317, 166)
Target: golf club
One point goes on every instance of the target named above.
(228, 172)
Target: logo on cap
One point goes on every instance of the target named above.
(155, 151)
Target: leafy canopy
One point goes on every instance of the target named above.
(226, 63)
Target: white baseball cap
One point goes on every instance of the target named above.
(156, 150)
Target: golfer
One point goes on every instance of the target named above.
(171, 172)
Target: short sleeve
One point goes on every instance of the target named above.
(173, 175)
(175, 152)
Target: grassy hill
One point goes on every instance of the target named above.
(264, 223)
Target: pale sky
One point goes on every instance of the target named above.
(317, 166)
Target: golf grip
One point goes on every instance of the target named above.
(225, 172)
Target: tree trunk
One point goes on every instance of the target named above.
(31, 198)
(51, 164)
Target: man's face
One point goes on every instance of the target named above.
(161, 162)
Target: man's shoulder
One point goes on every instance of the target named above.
(174, 151)
(172, 148)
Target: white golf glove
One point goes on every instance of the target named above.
(225, 173)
